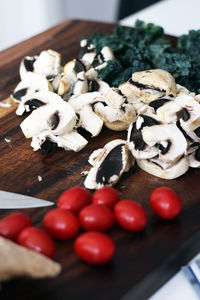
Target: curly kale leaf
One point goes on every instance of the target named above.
(144, 47)
(110, 72)
(189, 44)
(175, 63)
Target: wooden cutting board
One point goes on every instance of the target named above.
(137, 254)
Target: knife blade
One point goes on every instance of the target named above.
(10, 200)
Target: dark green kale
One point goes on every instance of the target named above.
(144, 47)
(190, 46)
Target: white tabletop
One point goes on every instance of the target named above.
(175, 16)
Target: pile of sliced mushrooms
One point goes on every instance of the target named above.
(162, 117)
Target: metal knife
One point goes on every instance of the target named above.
(10, 200)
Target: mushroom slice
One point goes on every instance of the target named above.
(24, 91)
(81, 86)
(48, 63)
(156, 79)
(97, 85)
(117, 119)
(74, 81)
(155, 168)
(58, 117)
(168, 139)
(149, 85)
(181, 90)
(169, 112)
(87, 53)
(116, 112)
(109, 165)
(27, 65)
(83, 106)
(190, 117)
(69, 141)
(107, 53)
(138, 147)
(194, 155)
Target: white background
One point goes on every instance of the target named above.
(21, 19)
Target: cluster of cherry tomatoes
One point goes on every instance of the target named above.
(94, 215)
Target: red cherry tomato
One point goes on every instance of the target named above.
(165, 203)
(130, 215)
(106, 196)
(96, 218)
(12, 225)
(37, 240)
(61, 224)
(74, 199)
(94, 247)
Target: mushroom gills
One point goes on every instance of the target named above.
(172, 143)
(69, 141)
(109, 165)
(194, 155)
(138, 147)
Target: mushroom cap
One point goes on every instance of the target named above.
(157, 79)
(117, 119)
(147, 86)
(155, 169)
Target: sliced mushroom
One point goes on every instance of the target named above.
(115, 111)
(97, 85)
(87, 53)
(81, 86)
(136, 143)
(25, 90)
(117, 119)
(57, 116)
(168, 139)
(107, 53)
(74, 81)
(193, 152)
(169, 112)
(109, 165)
(149, 85)
(154, 167)
(83, 106)
(69, 141)
(27, 65)
(48, 63)
(190, 120)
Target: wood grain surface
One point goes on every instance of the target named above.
(137, 254)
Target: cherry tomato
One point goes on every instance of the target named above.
(106, 196)
(37, 240)
(94, 247)
(130, 215)
(61, 224)
(96, 218)
(165, 203)
(74, 199)
(12, 225)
